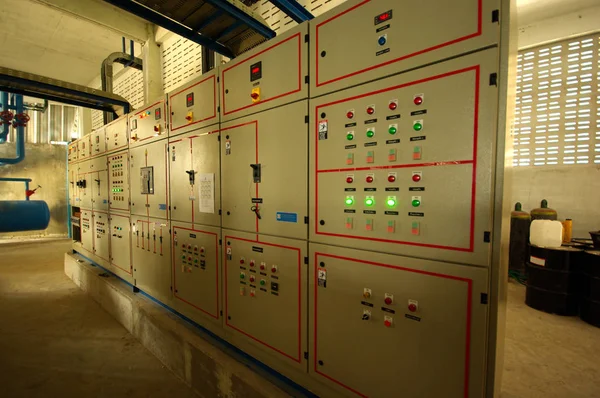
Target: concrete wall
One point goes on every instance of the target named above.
(46, 165)
(574, 191)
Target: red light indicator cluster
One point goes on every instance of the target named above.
(393, 105)
(416, 177)
(391, 178)
(350, 115)
(371, 110)
(349, 180)
(418, 100)
(369, 179)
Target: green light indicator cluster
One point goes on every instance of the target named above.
(349, 200)
(370, 133)
(262, 282)
(418, 126)
(393, 130)
(369, 202)
(391, 202)
(242, 276)
(416, 203)
(350, 136)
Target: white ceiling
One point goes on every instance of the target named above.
(44, 40)
(38, 37)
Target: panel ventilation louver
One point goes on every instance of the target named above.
(557, 113)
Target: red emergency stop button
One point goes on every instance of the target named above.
(412, 307)
(418, 100)
(370, 110)
(349, 180)
(388, 323)
(157, 128)
(350, 115)
(389, 300)
(369, 179)
(254, 96)
(188, 118)
(416, 177)
(391, 178)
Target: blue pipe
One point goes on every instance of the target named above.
(16, 179)
(17, 102)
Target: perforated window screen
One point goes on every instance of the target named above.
(557, 113)
(129, 84)
(280, 22)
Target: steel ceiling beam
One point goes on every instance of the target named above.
(294, 10)
(240, 15)
(175, 27)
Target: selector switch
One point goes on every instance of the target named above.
(275, 286)
(366, 315)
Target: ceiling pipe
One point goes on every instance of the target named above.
(107, 72)
(17, 104)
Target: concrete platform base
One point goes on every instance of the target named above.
(196, 358)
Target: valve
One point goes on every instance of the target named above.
(30, 192)
(21, 120)
(6, 116)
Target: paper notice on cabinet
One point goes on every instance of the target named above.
(206, 190)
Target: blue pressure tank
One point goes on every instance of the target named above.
(23, 215)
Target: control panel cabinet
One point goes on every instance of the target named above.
(117, 136)
(196, 260)
(148, 124)
(84, 149)
(99, 182)
(72, 151)
(120, 246)
(263, 165)
(87, 230)
(195, 177)
(400, 326)
(360, 41)
(98, 141)
(101, 235)
(149, 194)
(73, 194)
(404, 164)
(268, 76)
(195, 105)
(151, 256)
(118, 181)
(84, 185)
(265, 297)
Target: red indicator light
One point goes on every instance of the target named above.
(262, 267)
(369, 179)
(391, 178)
(255, 70)
(416, 177)
(349, 180)
(388, 300)
(418, 100)
(274, 269)
(370, 110)
(412, 307)
(384, 17)
(393, 106)
(242, 261)
(252, 263)
(350, 115)
(387, 324)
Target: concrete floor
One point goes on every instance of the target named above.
(55, 341)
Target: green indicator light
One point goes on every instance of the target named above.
(391, 202)
(242, 276)
(349, 201)
(416, 203)
(393, 130)
(262, 282)
(349, 136)
(418, 126)
(369, 202)
(370, 133)
(183, 257)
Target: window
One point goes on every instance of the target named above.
(557, 113)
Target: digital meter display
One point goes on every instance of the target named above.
(381, 18)
(189, 99)
(255, 71)
(157, 114)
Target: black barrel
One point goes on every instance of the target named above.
(520, 221)
(590, 300)
(554, 280)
